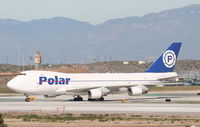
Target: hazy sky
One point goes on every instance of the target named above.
(93, 11)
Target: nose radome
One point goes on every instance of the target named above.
(11, 84)
(14, 84)
(17, 84)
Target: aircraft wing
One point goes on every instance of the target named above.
(74, 90)
(85, 89)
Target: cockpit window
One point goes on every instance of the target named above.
(22, 74)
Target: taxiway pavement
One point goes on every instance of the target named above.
(182, 102)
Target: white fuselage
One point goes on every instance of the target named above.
(55, 83)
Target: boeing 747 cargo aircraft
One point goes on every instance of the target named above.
(96, 85)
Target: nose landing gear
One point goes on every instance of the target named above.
(28, 99)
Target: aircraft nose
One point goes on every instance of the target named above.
(15, 84)
(11, 84)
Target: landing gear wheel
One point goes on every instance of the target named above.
(27, 99)
(101, 99)
(78, 98)
(168, 100)
(89, 99)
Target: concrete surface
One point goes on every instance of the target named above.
(182, 102)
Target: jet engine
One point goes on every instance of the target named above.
(137, 90)
(97, 93)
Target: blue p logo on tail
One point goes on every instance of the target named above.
(167, 61)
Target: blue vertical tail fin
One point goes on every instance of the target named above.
(167, 61)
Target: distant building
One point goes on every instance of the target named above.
(150, 59)
(126, 62)
(38, 60)
(141, 62)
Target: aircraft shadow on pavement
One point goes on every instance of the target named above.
(129, 99)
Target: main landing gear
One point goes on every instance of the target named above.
(99, 99)
(78, 98)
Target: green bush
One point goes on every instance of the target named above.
(2, 122)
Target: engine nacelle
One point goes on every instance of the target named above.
(137, 90)
(97, 93)
(94, 94)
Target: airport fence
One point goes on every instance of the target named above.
(189, 75)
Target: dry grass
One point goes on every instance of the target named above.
(101, 120)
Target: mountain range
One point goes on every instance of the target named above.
(65, 40)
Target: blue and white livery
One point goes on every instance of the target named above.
(167, 61)
(96, 85)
